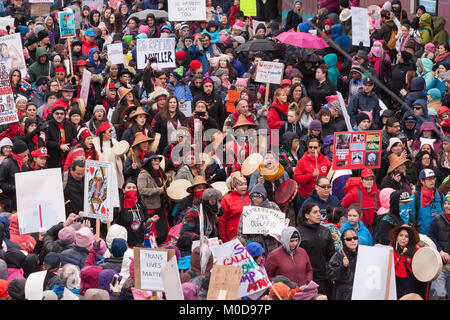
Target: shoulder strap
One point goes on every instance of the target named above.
(417, 201)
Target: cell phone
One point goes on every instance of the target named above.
(78, 219)
(114, 280)
(199, 114)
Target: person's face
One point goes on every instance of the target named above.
(21, 105)
(426, 160)
(31, 112)
(144, 146)
(313, 148)
(112, 19)
(98, 115)
(320, 75)
(367, 182)
(67, 95)
(397, 148)
(365, 124)
(313, 217)
(150, 21)
(293, 243)
(96, 17)
(188, 42)
(6, 150)
(426, 147)
(297, 93)
(260, 33)
(419, 12)
(161, 101)
(323, 188)
(405, 31)
(205, 42)
(129, 97)
(224, 19)
(31, 127)
(173, 105)
(282, 97)
(309, 106)
(155, 164)
(59, 115)
(353, 217)
(410, 125)
(447, 207)
(141, 119)
(132, 24)
(298, 6)
(17, 3)
(429, 183)
(367, 88)
(130, 186)
(257, 200)
(325, 118)
(242, 107)
(351, 240)
(418, 110)
(124, 10)
(242, 189)
(107, 135)
(403, 238)
(441, 49)
(88, 142)
(40, 161)
(78, 173)
(16, 77)
(446, 146)
(76, 48)
(291, 116)
(208, 88)
(111, 94)
(327, 28)
(295, 144)
(395, 129)
(161, 80)
(43, 58)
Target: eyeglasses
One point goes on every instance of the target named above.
(126, 76)
(313, 147)
(59, 113)
(352, 238)
(417, 108)
(109, 131)
(325, 186)
(369, 179)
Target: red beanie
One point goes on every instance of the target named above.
(103, 127)
(180, 55)
(195, 64)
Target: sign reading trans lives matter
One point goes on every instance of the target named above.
(163, 49)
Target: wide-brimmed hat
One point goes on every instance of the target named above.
(198, 180)
(126, 71)
(123, 91)
(149, 156)
(395, 231)
(139, 111)
(139, 138)
(395, 161)
(159, 91)
(243, 121)
(68, 87)
(345, 15)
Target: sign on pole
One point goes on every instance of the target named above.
(12, 53)
(248, 7)
(171, 280)
(66, 24)
(259, 220)
(360, 27)
(374, 274)
(85, 85)
(148, 263)
(40, 199)
(269, 72)
(115, 53)
(163, 49)
(357, 150)
(187, 10)
(8, 112)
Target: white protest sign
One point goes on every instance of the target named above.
(85, 85)
(40, 199)
(187, 10)
(69, 295)
(259, 220)
(115, 53)
(94, 4)
(269, 72)
(344, 111)
(151, 261)
(34, 286)
(8, 112)
(186, 108)
(171, 280)
(234, 253)
(360, 26)
(374, 274)
(12, 45)
(163, 49)
(6, 21)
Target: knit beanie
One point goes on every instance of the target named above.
(115, 231)
(83, 237)
(241, 82)
(19, 146)
(195, 64)
(67, 235)
(361, 117)
(118, 247)
(315, 125)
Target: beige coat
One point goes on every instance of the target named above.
(108, 155)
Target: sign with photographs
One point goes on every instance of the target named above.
(357, 150)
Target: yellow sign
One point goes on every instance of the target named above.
(248, 7)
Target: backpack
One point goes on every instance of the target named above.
(392, 40)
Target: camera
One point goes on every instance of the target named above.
(199, 114)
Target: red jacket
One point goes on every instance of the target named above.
(368, 205)
(273, 118)
(304, 169)
(232, 205)
(399, 263)
(86, 46)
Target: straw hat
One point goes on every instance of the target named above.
(395, 161)
(411, 296)
(123, 91)
(159, 91)
(221, 186)
(395, 231)
(198, 180)
(139, 111)
(139, 138)
(243, 121)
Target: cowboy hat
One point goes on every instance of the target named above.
(395, 231)
(198, 180)
(139, 138)
(159, 91)
(149, 156)
(123, 91)
(139, 111)
(243, 121)
(395, 161)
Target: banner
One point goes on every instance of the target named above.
(148, 264)
(360, 27)
(98, 190)
(12, 53)
(94, 4)
(187, 10)
(224, 283)
(163, 49)
(171, 280)
(66, 24)
(85, 85)
(269, 72)
(248, 7)
(259, 220)
(357, 150)
(40, 199)
(374, 274)
(115, 53)
(7, 105)
(233, 253)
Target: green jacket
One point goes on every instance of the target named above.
(38, 69)
(440, 34)
(426, 32)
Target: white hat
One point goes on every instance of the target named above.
(21, 97)
(345, 15)
(5, 142)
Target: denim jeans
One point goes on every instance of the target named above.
(441, 286)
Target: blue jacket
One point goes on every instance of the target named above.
(76, 256)
(364, 236)
(181, 91)
(341, 39)
(195, 54)
(425, 214)
(363, 102)
(332, 201)
(238, 67)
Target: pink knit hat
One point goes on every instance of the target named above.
(83, 237)
(66, 235)
(143, 29)
(376, 51)
(239, 25)
(430, 47)
(241, 82)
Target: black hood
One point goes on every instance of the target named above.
(287, 138)
(394, 202)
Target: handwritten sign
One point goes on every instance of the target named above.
(147, 267)
(258, 220)
(269, 72)
(7, 105)
(360, 27)
(224, 283)
(233, 253)
(163, 49)
(187, 10)
(66, 24)
(115, 53)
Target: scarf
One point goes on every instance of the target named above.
(130, 199)
(63, 133)
(271, 174)
(376, 64)
(199, 194)
(441, 57)
(426, 196)
(89, 154)
(141, 155)
(19, 160)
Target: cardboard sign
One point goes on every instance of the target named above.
(12, 45)
(259, 220)
(66, 24)
(374, 274)
(39, 9)
(148, 263)
(269, 72)
(233, 253)
(40, 199)
(115, 53)
(186, 108)
(360, 27)
(171, 280)
(232, 97)
(187, 10)
(34, 286)
(98, 190)
(224, 283)
(357, 150)
(161, 48)
(7, 105)
(248, 7)
(85, 86)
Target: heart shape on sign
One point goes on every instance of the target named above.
(102, 210)
(92, 170)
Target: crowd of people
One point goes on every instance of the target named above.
(399, 85)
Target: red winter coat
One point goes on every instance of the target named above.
(368, 206)
(274, 120)
(399, 263)
(86, 46)
(232, 205)
(304, 169)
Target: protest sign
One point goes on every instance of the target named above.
(98, 189)
(232, 97)
(12, 53)
(40, 199)
(94, 4)
(233, 253)
(259, 220)
(171, 280)
(224, 283)
(5, 22)
(148, 263)
(115, 53)
(85, 85)
(357, 150)
(186, 108)
(69, 295)
(34, 286)
(163, 49)
(40, 9)
(187, 10)
(269, 72)
(431, 6)
(66, 21)
(360, 27)
(374, 274)
(248, 7)
(7, 105)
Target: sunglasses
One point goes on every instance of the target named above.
(352, 238)
(417, 108)
(313, 147)
(325, 186)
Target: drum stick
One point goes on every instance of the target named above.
(168, 178)
(336, 240)
(108, 224)
(401, 255)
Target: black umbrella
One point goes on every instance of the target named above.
(259, 45)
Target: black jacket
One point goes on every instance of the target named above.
(54, 141)
(292, 21)
(398, 76)
(342, 276)
(216, 108)
(160, 126)
(74, 191)
(320, 92)
(135, 233)
(8, 169)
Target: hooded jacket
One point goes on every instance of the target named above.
(341, 39)
(96, 66)
(295, 265)
(424, 215)
(277, 115)
(428, 125)
(440, 34)
(398, 75)
(8, 169)
(216, 109)
(332, 201)
(416, 92)
(232, 206)
(87, 46)
(410, 133)
(426, 74)
(364, 102)
(303, 173)
(426, 32)
(25, 241)
(385, 198)
(364, 236)
(331, 60)
(41, 69)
